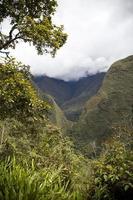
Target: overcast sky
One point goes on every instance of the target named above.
(100, 32)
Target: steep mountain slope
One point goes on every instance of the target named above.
(85, 88)
(111, 107)
(55, 114)
(58, 89)
(70, 95)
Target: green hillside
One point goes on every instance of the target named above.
(55, 114)
(110, 108)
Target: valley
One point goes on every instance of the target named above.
(66, 140)
(94, 106)
(71, 96)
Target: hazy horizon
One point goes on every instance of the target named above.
(67, 80)
(99, 33)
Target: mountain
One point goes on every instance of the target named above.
(111, 107)
(58, 89)
(71, 96)
(84, 89)
(55, 114)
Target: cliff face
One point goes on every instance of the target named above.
(112, 106)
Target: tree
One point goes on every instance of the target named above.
(18, 97)
(31, 21)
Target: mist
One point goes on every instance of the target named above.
(99, 33)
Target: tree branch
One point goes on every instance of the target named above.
(10, 41)
(5, 52)
(11, 31)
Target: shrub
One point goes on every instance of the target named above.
(113, 175)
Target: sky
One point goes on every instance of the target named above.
(99, 33)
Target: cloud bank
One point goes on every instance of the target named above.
(100, 32)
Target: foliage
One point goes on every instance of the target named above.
(53, 155)
(31, 21)
(18, 97)
(108, 177)
(39, 140)
(113, 173)
(25, 183)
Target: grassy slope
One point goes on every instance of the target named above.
(112, 106)
(57, 116)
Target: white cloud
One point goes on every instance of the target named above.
(100, 32)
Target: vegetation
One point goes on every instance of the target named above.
(27, 137)
(31, 21)
(17, 182)
(45, 167)
(113, 173)
(37, 160)
(17, 96)
(55, 114)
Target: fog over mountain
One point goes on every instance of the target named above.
(100, 32)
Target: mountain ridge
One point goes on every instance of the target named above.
(70, 95)
(110, 108)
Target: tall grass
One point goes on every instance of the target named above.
(19, 182)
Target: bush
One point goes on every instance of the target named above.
(113, 175)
